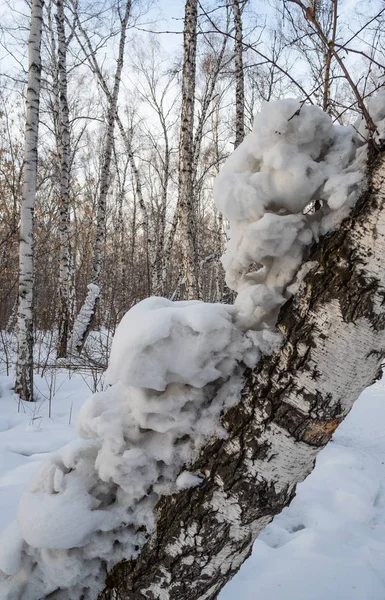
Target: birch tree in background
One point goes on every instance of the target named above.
(64, 154)
(155, 88)
(239, 76)
(84, 320)
(24, 371)
(186, 204)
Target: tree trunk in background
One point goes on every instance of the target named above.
(204, 109)
(161, 266)
(126, 137)
(186, 201)
(64, 153)
(24, 371)
(106, 166)
(103, 189)
(334, 340)
(239, 77)
(329, 56)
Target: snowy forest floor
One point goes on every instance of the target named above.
(330, 543)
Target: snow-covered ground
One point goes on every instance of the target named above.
(330, 543)
(28, 435)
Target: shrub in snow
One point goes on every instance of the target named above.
(175, 367)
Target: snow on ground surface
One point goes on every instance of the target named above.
(330, 543)
(28, 435)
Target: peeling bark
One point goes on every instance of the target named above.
(334, 341)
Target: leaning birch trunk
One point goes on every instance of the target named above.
(24, 371)
(186, 204)
(239, 77)
(102, 199)
(334, 330)
(65, 279)
(126, 137)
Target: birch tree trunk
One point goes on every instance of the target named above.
(186, 203)
(103, 190)
(64, 153)
(239, 76)
(24, 370)
(106, 166)
(89, 52)
(334, 343)
(160, 263)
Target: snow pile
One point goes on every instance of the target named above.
(174, 368)
(330, 542)
(177, 366)
(149, 348)
(268, 188)
(376, 108)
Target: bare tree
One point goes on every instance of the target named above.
(239, 76)
(24, 374)
(81, 328)
(186, 204)
(155, 87)
(64, 154)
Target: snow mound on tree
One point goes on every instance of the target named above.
(175, 368)
(149, 348)
(376, 108)
(294, 160)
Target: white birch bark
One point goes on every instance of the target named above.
(167, 252)
(24, 371)
(334, 343)
(160, 265)
(83, 319)
(64, 154)
(186, 203)
(239, 76)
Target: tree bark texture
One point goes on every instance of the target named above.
(334, 342)
(186, 201)
(239, 77)
(24, 371)
(64, 153)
